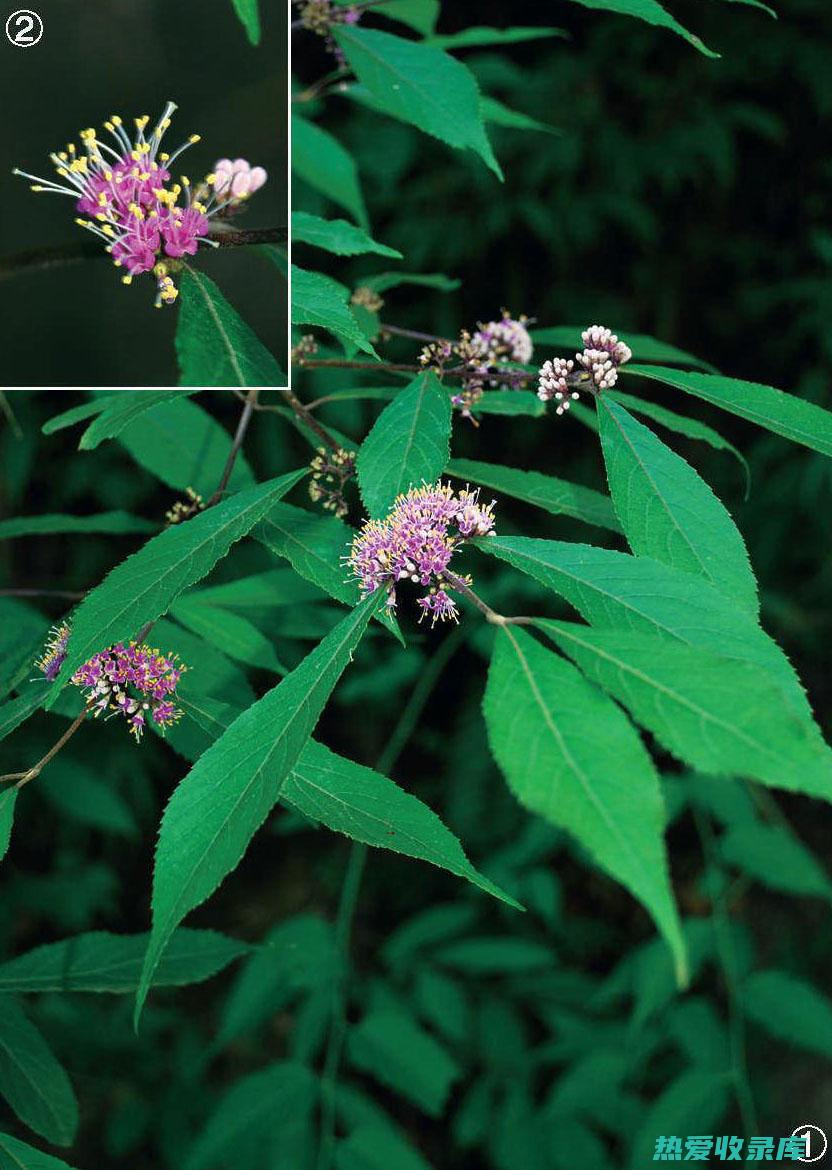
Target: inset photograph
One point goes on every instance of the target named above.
(143, 181)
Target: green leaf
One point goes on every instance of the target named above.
(419, 85)
(184, 446)
(376, 1147)
(668, 511)
(720, 716)
(256, 1114)
(274, 587)
(691, 428)
(249, 15)
(321, 161)
(32, 1081)
(335, 235)
(755, 4)
(82, 797)
(390, 1046)
(223, 800)
(16, 1155)
(651, 12)
(112, 963)
(692, 1103)
(236, 636)
(18, 710)
(487, 957)
(773, 855)
(419, 14)
(8, 796)
(789, 1009)
(570, 755)
(49, 524)
(794, 418)
(142, 588)
(68, 418)
(480, 35)
(408, 445)
(384, 281)
(510, 403)
(644, 347)
(122, 409)
(351, 799)
(497, 113)
(214, 345)
(614, 590)
(557, 496)
(315, 546)
(320, 300)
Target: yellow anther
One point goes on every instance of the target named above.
(127, 280)
(63, 172)
(35, 187)
(117, 263)
(142, 122)
(200, 207)
(134, 154)
(210, 179)
(165, 125)
(144, 176)
(102, 199)
(63, 156)
(186, 182)
(195, 138)
(100, 215)
(115, 119)
(108, 231)
(164, 157)
(108, 176)
(109, 126)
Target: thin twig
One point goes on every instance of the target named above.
(338, 364)
(414, 334)
(350, 890)
(24, 777)
(490, 615)
(36, 258)
(67, 594)
(242, 427)
(303, 414)
(727, 957)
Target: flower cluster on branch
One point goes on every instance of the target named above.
(416, 541)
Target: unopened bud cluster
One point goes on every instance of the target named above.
(368, 298)
(131, 680)
(416, 541)
(185, 509)
(330, 472)
(598, 363)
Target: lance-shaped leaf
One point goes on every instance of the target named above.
(316, 546)
(570, 755)
(17, 1155)
(775, 856)
(112, 963)
(720, 716)
(790, 1009)
(408, 445)
(320, 300)
(419, 14)
(653, 13)
(371, 808)
(321, 161)
(32, 1081)
(123, 409)
(214, 344)
(644, 347)
(8, 797)
(613, 590)
(691, 428)
(667, 510)
(184, 446)
(419, 85)
(794, 418)
(336, 235)
(115, 523)
(249, 15)
(141, 589)
(235, 635)
(557, 496)
(258, 1121)
(224, 799)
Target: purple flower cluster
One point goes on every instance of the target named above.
(131, 680)
(505, 340)
(598, 362)
(416, 541)
(125, 191)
